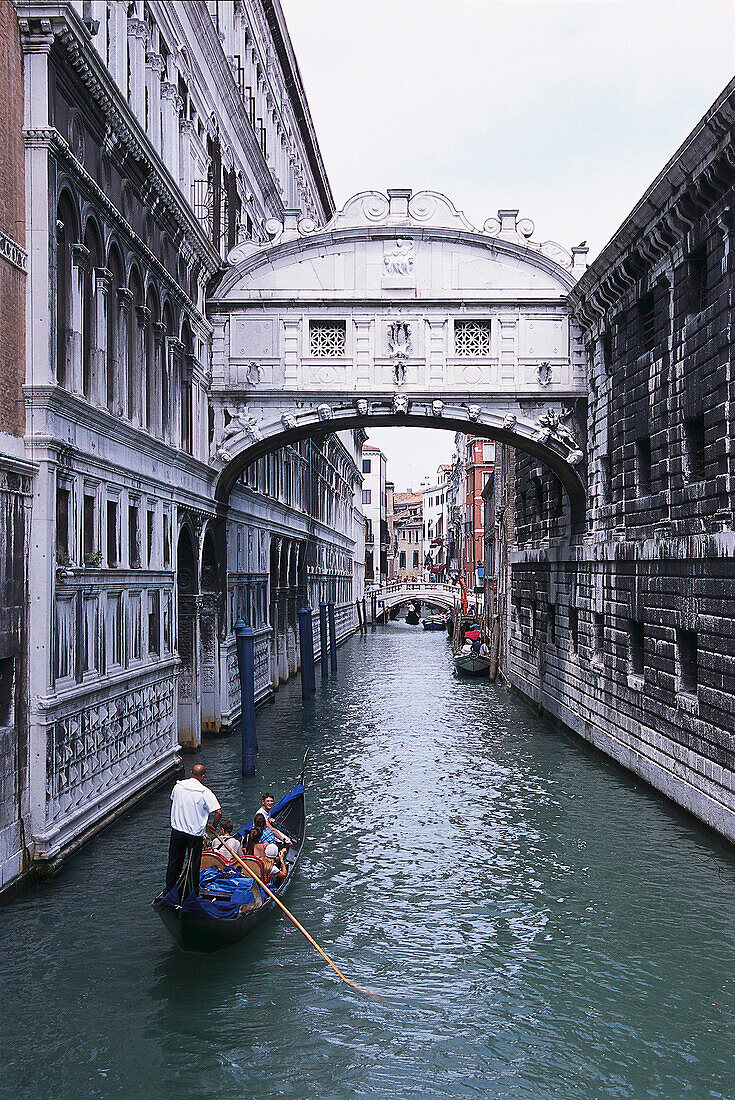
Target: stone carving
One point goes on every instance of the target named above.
(288, 421)
(399, 339)
(242, 423)
(362, 406)
(510, 422)
(399, 259)
(473, 411)
(325, 412)
(544, 374)
(253, 374)
(400, 404)
(399, 372)
(437, 408)
(550, 425)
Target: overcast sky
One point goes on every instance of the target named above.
(566, 110)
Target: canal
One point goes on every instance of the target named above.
(535, 923)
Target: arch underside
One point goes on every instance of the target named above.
(526, 435)
(423, 596)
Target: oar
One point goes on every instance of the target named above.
(292, 918)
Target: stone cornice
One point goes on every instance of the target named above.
(71, 33)
(12, 252)
(694, 178)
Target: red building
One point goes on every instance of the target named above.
(479, 462)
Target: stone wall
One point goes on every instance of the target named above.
(626, 634)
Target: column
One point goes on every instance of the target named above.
(159, 398)
(80, 260)
(171, 107)
(119, 46)
(153, 70)
(186, 131)
(102, 282)
(137, 41)
(120, 386)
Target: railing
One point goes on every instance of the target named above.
(450, 593)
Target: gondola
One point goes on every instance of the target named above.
(471, 664)
(434, 622)
(211, 921)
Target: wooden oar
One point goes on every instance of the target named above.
(292, 918)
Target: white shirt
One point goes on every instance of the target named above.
(191, 805)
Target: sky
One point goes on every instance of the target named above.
(565, 109)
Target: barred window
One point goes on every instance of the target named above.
(327, 339)
(472, 338)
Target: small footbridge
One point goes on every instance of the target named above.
(434, 594)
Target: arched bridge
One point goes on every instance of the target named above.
(399, 312)
(438, 594)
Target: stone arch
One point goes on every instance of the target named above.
(189, 711)
(136, 336)
(67, 237)
(93, 321)
(117, 336)
(152, 360)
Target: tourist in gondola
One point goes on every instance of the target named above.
(274, 865)
(254, 845)
(224, 843)
(266, 809)
(191, 805)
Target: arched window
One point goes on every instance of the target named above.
(166, 387)
(186, 389)
(135, 348)
(117, 336)
(65, 238)
(90, 315)
(152, 348)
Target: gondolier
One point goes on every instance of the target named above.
(191, 805)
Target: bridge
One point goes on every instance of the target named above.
(439, 594)
(399, 312)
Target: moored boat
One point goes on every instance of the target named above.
(215, 919)
(434, 622)
(472, 664)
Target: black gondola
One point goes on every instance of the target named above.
(193, 922)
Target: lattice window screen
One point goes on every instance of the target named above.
(327, 339)
(472, 338)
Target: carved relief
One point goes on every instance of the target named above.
(241, 424)
(544, 374)
(437, 408)
(253, 374)
(399, 259)
(325, 412)
(288, 421)
(473, 411)
(400, 404)
(362, 407)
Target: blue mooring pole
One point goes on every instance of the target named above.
(245, 638)
(311, 662)
(332, 636)
(306, 651)
(323, 638)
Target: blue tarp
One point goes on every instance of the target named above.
(296, 791)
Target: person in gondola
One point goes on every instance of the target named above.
(191, 805)
(266, 810)
(224, 843)
(254, 845)
(274, 865)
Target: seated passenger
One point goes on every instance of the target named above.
(275, 866)
(484, 650)
(225, 844)
(254, 845)
(265, 809)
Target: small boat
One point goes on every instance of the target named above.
(472, 664)
(434, 622)
(212, 920)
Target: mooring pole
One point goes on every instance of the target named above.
(245, 640)
(310, 662)
(359, 616)
(374, 609)
(304, 614)
(323, 638)
(332, 635)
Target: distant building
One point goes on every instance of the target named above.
(375, 511)
(436, 506)
(408, 536)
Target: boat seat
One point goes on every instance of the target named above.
(256, 865)
(214, 859)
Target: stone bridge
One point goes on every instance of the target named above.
(445, 596)
(399, 312)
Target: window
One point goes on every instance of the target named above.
(133, 537)
(366, 496)
(63, 504)
(112, 539)
(7, 690)
(694, 448)
(472, 339)
(598, 635)
(551, 612)
(574, 629)
(366, 464)
(636, 637)
(166, 541)
(533, 622)
(647, 320)
(368, 530)
(327, 339)
(114, 629)
(154, 623)
(488, 452)
(415, 559)
(643, 466)
(402, 560)
(150, 527)
(606, 350)
(89, 513)
(134, 626)
(686, 661)
(698, 280)
(606, 477)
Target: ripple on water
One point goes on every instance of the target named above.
(534, 923)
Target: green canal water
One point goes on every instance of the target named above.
(534, 923)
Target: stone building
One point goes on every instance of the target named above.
(435, 512)
(158, 137)
(374, 509)
(408, 536)
(16, 471)
(626, 635)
